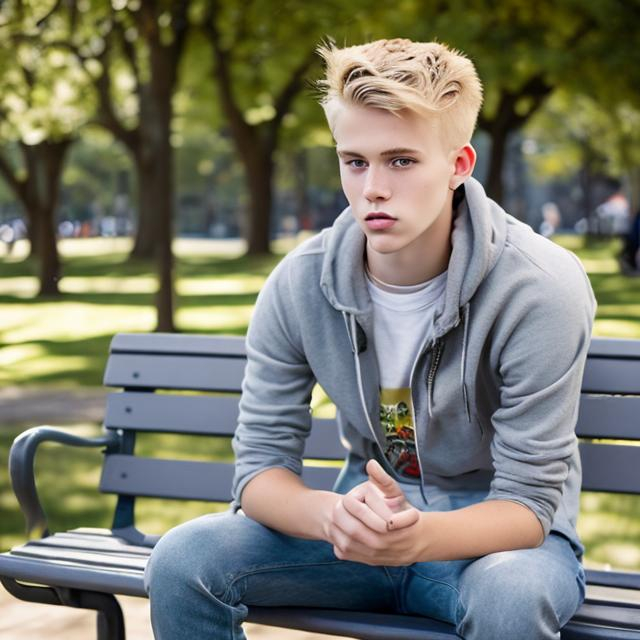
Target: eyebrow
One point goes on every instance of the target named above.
(390, 152)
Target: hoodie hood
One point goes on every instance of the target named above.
(478, 238)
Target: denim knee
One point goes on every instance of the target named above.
(185, 558)
(516, 594)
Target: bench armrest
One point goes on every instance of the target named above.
(21, 469)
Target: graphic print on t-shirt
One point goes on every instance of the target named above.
(396, 417)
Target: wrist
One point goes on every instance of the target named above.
(324, 504)
(425, 535)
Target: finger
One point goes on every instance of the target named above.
(376, 501)
(382, 479)
(368, 516)
(351, 536)
(403, 519)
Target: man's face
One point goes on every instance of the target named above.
(395, 166)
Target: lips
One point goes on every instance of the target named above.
(379, 215)
(379, 221)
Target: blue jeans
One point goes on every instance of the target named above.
(202, 575)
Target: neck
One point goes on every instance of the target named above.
(425, 258)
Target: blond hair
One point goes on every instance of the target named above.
(425, 77)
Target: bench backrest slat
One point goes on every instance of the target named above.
(611, 375)
(609, 417)
(185, 479)
(171, 343)
(206, 415)
(200, 373)
(610, 468)
(203, 415)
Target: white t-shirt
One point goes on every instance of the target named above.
(402, 318)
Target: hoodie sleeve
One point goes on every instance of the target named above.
(541, 363)
(274, 418)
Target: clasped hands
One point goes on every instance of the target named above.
(374, 523)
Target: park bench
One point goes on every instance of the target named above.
(88, 567)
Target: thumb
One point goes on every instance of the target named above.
(383, 480)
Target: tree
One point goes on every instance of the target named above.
(42, 102)
(140, 44)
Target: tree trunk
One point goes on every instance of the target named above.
(44, 163)
(48, 258)
(300, 169)
(144, 246)
(495, 184)
(259, 181)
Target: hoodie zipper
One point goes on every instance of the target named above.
(431, 376)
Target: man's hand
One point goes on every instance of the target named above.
(374, 523)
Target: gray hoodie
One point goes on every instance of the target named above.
(495, 388)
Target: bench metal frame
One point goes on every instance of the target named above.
(87, 568)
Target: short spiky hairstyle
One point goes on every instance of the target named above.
(425, 77)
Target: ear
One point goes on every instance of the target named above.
(463, 163)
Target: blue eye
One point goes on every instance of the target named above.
(402, 162)
(351, 163)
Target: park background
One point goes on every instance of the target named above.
(157, 159)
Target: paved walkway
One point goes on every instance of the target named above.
(33, 406)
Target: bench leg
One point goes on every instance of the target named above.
(110, 621)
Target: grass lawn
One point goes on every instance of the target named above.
(64, 343)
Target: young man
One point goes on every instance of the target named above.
(452, 340)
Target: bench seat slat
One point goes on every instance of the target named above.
(184, 479)
(75, 575)
(610, 468)
(196, 373)
(111, 560)
(614, 417)
(81, 543)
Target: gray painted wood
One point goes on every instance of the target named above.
(210, 415)
(199, 373)
(615, 417)
(111, 560)
(610, 468)
(618, 347)
(203, 415)
(174, 343)
(185, 480)
(611, 375)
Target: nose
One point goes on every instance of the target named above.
(375, 186)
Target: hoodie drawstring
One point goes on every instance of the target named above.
(358, 346)
(463, 365)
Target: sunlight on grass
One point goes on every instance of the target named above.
(96, 284)
(22, 287)
(209, 286)
(18, 352)
(214, 318)
(599, 265)
(616, 328)
(71, 321)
